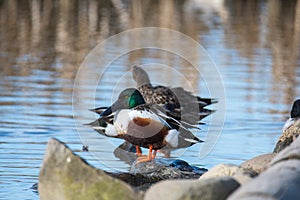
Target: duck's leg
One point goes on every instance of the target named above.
(147, 158)
(138, 151)
(150, 152)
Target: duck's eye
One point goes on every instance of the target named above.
(126, 96)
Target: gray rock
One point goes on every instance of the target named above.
(208, 189)
(258, 163)
(165, 168)
(292, 152)
(240, 174)
(64, 175)
(288, 136)
(281, 180)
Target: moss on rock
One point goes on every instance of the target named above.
(64, 175)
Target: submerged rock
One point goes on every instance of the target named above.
(64, 175)
(258, 163)
(217, 188)
(281, 180)
(238, 173)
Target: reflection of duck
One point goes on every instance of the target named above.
(291, 128)
(143, 125)
(191, 108)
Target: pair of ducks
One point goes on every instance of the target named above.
(153, 117)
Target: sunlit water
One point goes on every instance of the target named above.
(257, 58)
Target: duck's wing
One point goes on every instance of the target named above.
(173, 118)
(187, 96)
(193, 107)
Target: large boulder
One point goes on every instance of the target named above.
(217, 188)
(281, 180)
(258, 163)
(238, 173)
(64, 175)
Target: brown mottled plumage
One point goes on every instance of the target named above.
(291, 128)
(182, 104)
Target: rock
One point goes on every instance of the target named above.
(184, 166)
(258, 163)
(240, 174)
(281, 180)
(290, 153)
(64, 175)
(167, 168)
(163, 168)
(140, 182)
(217, 188)
(143, 175)
(288, 136)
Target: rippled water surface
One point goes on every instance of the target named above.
(43, 45)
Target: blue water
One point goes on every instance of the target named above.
(259, 72)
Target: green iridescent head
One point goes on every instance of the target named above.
(128, 98)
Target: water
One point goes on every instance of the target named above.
(43, 44)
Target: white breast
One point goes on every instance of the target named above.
(287, 124)
(124, 123)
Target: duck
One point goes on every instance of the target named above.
(291, 128)
(144, 125)
(294, 116)
(174, 99)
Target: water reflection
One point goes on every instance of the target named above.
(57, 35)
(255, 44)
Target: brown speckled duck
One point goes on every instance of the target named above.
(177, 100)
(291, 128)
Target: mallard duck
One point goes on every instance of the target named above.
(143, 125)
(291, 128)
(174, 99)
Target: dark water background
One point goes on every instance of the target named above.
(254, 44)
